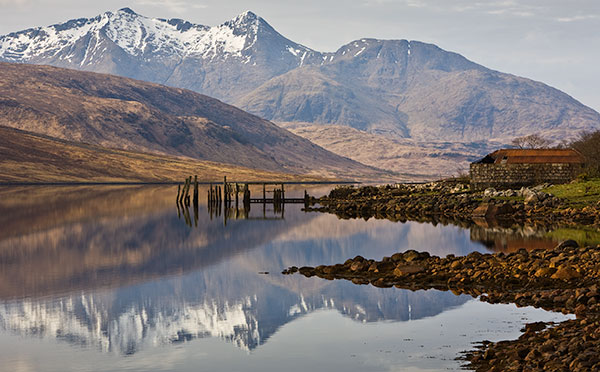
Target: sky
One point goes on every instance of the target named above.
(556, 42)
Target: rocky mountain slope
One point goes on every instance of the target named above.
(397, 88)
(133, 115)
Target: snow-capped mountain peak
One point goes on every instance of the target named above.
(167, 51)
(127, 10)
(136, 35)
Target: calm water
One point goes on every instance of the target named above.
(112, 278)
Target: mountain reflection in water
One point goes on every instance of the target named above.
(115, 268)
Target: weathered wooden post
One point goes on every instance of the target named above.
(264, 193)
(247, 206)
(196, 190)
(282, 200)
(182, 194)
(225, 190)
(246, 198)
(237, 190)
(187, 192)
(276, 203)
(182, 197)
(178, 192)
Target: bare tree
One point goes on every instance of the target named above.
(532, 141)
(588, 145)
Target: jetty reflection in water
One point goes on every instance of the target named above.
(115, 271)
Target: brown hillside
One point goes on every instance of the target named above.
(123, 113)
(28, 157)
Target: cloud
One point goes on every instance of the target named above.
(578, 18)
(501, 7)
(409, 3)
(175, 6)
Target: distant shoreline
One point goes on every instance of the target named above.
(174, 183)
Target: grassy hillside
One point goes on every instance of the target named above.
(29, 157)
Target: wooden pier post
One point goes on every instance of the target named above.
(264, 193)
(225, 190)
(178, 192)
(196, 190)
(182, 200)
(181, 196)
(187, 192)
(282, 200)
(246, 198)
(237, 191)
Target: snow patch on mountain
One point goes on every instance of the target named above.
(138, 36)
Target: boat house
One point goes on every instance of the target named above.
(514, 168)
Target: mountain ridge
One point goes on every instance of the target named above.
(400, 89)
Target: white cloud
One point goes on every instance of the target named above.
(578, 18)
(175, 6)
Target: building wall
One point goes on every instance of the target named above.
(504, 176)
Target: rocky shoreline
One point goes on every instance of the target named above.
(439, 200)
(564, 279)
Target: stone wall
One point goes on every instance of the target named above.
(505, 176)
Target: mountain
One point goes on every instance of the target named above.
(422, 159)
(399, 89)
(127, 114)
(223, 61)
(408, 89)
(32, 158)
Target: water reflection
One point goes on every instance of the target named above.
(118, 269)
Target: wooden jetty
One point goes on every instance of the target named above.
(225, 198)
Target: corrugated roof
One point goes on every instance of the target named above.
(531, 156)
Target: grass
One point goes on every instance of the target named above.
(579, 193)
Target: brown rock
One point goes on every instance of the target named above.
(455, 264)
(411, 255)
(402, 270)
(544, 272)
(358, 266)
(566, 272)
